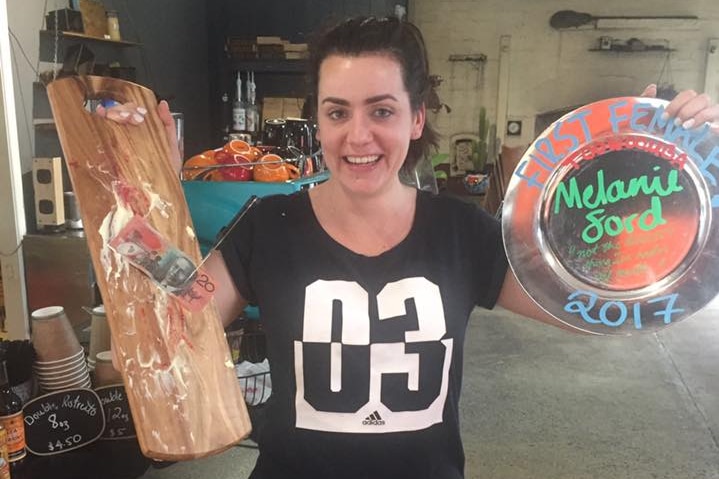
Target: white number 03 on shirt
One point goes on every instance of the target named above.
(413, 371)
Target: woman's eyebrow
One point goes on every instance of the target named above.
(368, 101)
(378, 98)
(337, 101)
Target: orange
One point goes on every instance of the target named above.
(237, 147)
(190, 170)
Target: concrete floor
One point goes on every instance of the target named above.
(542, 403)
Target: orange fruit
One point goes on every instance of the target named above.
(237, 147)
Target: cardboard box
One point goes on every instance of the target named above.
(93, 18)
(295, 47)
(278, 107)
(270, 52)
(295, 55)
(268, 41)
(67, 20)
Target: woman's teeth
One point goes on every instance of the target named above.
(361, 160)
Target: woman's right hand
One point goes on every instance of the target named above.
(130, 113)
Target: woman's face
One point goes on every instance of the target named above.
(365, 121)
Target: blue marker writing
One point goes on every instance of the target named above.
(614, 118)
(531, 180)
(667, 312)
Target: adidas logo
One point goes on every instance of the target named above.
(373, 419)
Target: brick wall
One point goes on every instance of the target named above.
(550, 69)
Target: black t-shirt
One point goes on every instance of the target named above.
(365, 352)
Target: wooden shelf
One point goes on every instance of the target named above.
(627, 50)
(269, 66)
(43, 123)
(83, 37)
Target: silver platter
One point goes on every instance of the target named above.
(608, 220)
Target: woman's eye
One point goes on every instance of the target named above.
(336, 114)
(382, 112)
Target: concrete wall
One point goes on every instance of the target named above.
(25, 20)
(550, 69)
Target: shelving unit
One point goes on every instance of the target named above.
(290, 20)
(627, 50)
(53, 255)
(88, 38)
(47, 143)
(269, 66)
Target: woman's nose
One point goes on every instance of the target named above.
(359, 131)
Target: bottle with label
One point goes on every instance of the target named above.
(4, 461)
(11, 419)
(239, 116)
(252, 112)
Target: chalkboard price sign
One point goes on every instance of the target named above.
(118, 419)
(62, 421)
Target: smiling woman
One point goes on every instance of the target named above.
(377, 279)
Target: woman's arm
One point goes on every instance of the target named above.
(228, 299)
(513, 297)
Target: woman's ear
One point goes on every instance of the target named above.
(418, 119)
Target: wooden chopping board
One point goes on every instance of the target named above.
(183, 392)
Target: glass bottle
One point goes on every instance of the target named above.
(113, 26)
(4, 460)
(252, 112)
(11, 418)
(238, 108)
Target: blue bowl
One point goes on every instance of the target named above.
(213, 204)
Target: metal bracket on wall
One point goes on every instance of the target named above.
(470, 57)
(711, 77)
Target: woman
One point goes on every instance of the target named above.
(365, 285)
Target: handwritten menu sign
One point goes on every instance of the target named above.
(118, 419)
(62, 421)
(608, 218)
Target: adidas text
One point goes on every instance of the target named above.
(373, 419)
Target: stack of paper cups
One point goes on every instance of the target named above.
(105, 372)
(60, 362)
(99, 335)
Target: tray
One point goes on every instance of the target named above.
(609, 219)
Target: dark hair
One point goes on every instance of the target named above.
(403, 41)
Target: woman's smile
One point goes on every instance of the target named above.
(362, 160)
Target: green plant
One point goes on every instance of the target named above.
(482, 147)
(438, 159)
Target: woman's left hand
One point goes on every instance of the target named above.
(130, 113)
(690, 109)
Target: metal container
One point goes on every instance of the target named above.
(73, 220)
(274, 132)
